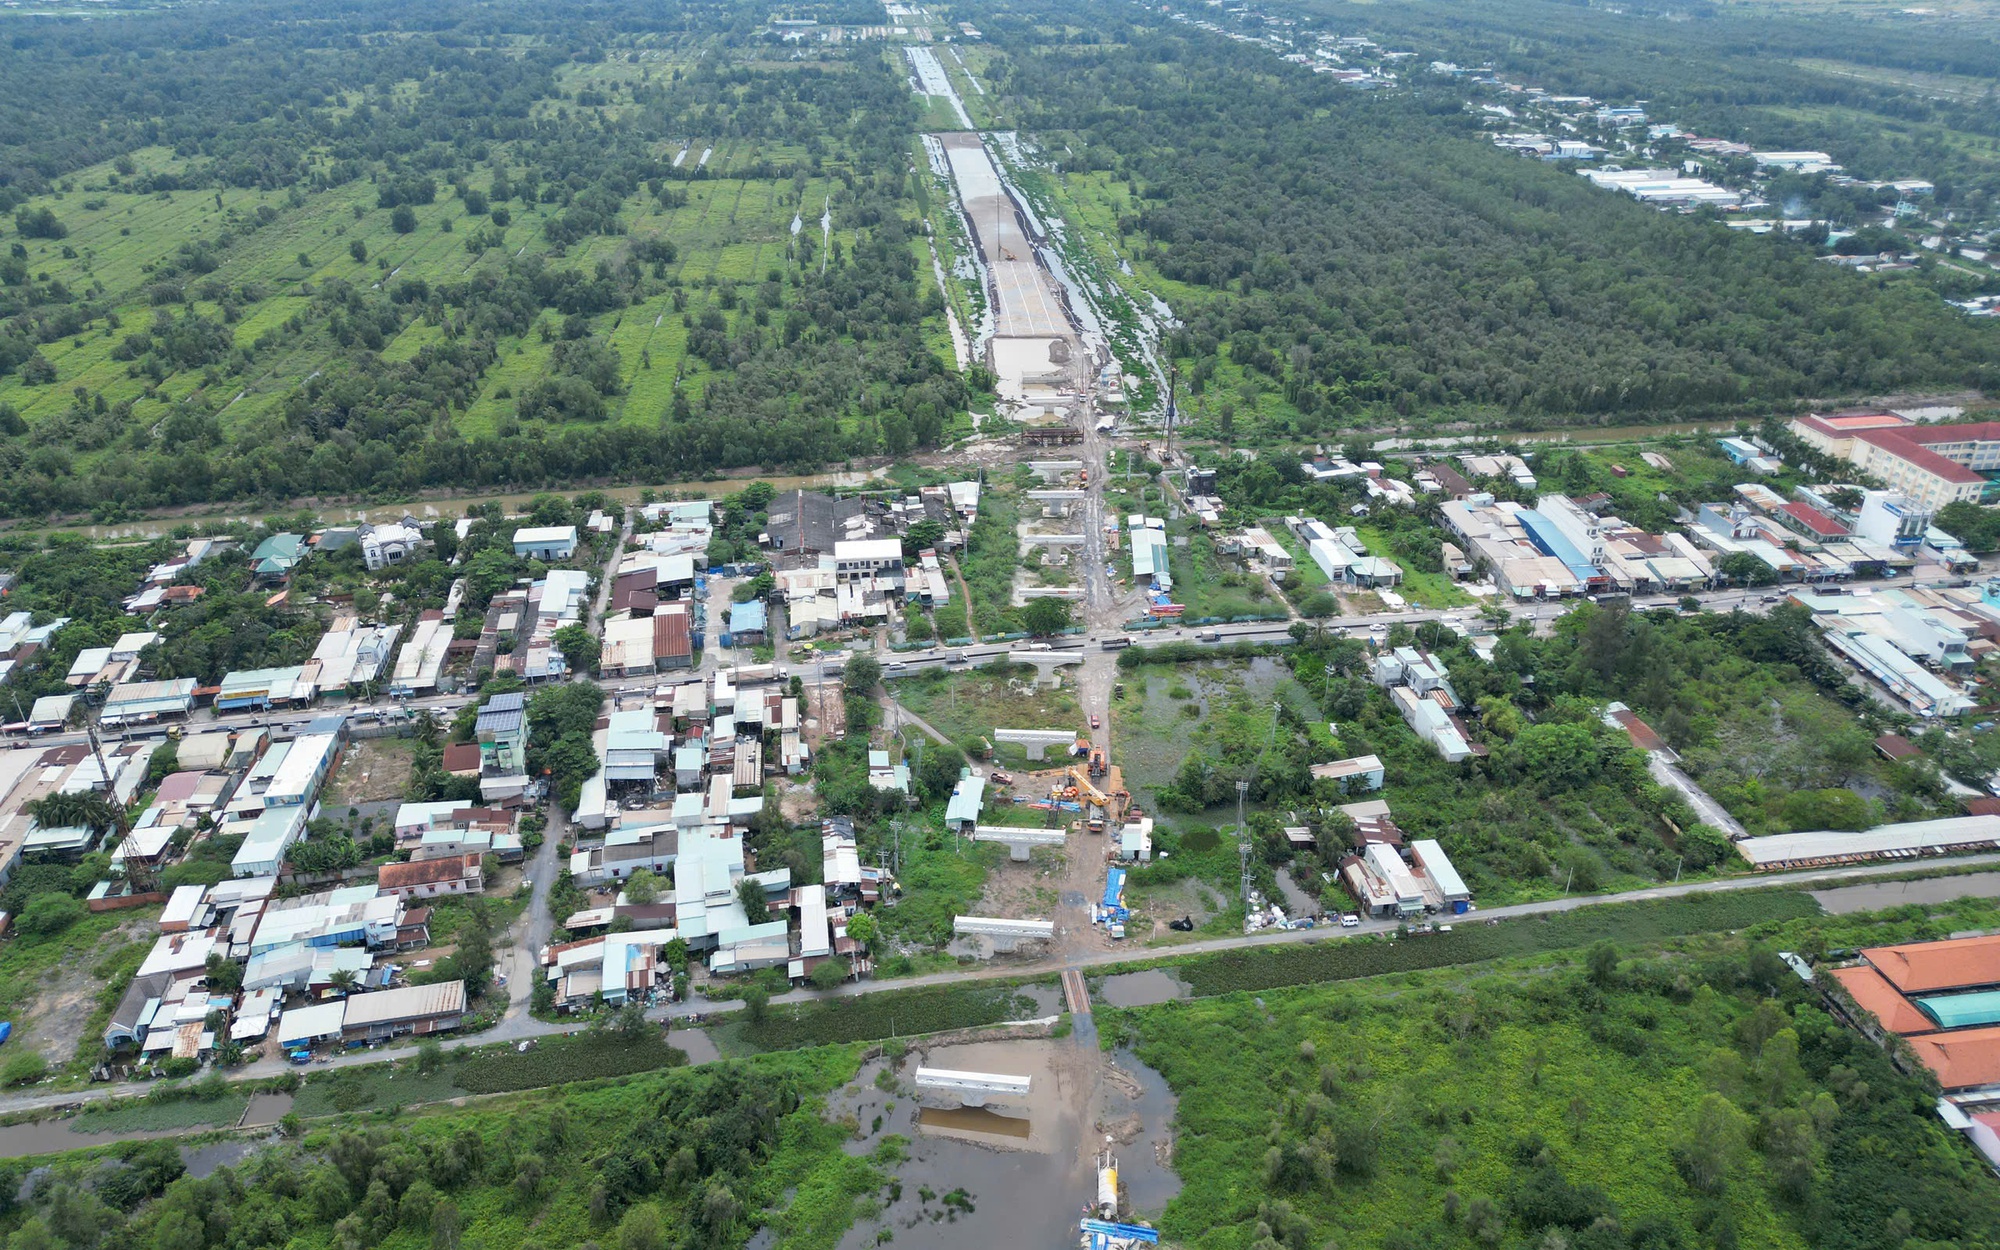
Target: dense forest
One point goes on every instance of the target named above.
(1370, 256)
(538, 281)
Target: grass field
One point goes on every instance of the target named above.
(1211, 588)
(971, 705)
(1485, 1107)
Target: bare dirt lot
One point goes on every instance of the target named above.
(56, 1018)
(371, 771)
(825, 713)
(1027, 891)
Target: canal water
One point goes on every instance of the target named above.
(46, 1137)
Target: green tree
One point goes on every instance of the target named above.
(581, 649)
(1705, 846)
(403, 219)
(446, 1225)
(862, 674)
(1746, 570)
(642, 887)
(861, 927)
(751, 894)
(1046, 616)
(1808, 810)
(1603, 965)
(1713, 1146)
(830, 974)
(49, 914)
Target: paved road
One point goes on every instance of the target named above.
(447, 705)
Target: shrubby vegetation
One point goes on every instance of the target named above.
(1694, 1096)
(1761, 716)
(696, 1158)
(1270, 967)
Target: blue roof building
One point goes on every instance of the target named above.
(1550, 542)
(748, 618)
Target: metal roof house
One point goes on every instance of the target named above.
(545, 542)
(968, 797)
(418, 1009)
(148, 700)
(262, 687)
(278, 555)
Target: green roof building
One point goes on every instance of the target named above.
(278, 555)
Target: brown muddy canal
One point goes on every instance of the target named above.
(1014, 1174)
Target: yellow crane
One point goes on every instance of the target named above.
(1087, 788)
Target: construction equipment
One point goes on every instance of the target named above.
(1097, 765)
(1086, 788)
(1095, 801)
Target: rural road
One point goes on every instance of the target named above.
(518, 1025)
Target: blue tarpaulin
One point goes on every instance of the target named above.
(1114, 888)
(1105, 1235)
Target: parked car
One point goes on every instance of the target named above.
(1350, 921)
(1095, 723)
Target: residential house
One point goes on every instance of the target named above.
(545, 542)
(433, 878)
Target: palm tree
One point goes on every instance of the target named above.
(90, 809)
(344, 982)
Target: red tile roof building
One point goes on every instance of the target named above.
(1878, 998)
(1966, 1059)
(1931, 967)
(433, 878)
(1932, 464)
(1810, 521)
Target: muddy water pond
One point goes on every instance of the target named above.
(266, 1110)
(1015, 1174)
(1141, 989)
(45, 1137)
(697, 1045)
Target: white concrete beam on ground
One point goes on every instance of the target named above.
(973, 1088)
(1019, 842)
(1036, 741)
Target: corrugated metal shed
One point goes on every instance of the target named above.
(407, 1003)
(1960, 1011)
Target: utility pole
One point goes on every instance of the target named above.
(1243, 846)
(132, 870)
(1173, 406)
